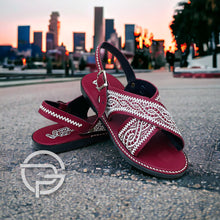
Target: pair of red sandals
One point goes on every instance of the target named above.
(139, 125)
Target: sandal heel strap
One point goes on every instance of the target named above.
(60, 116)
(121, 58)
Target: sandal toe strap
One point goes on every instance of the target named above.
(135, 134)
(145, 118)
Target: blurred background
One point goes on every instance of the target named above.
(52, 35)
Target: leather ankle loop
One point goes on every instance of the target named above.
(121, 58)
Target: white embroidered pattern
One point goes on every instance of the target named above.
(158, 98)
(131, 157)
(97, 128)
(95, 83)
(61, 132)
(61, 117)
(146, 110)
(134, 133)
(97, 55)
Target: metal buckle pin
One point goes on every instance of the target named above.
(105, 84)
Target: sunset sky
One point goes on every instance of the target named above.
(78, 16)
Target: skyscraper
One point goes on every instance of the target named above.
(98, 27)
(38, 39)
(23, 38)
(5, 51)
(54, 27)
(79, 42)
(109, 28)
(49, 41)
(36, 47)
(129, 32)
(129, 37)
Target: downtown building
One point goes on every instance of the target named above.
(79, 40)
(37, 44)
(7, 52)
(38, 39)
(109, 28)
(98, 27)
(129, 37)
(23, 38)
(52, 36)
(110, 33)
(50, 41)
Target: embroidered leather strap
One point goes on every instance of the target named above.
(62, 117)
(142, 108)
(147, 117)
(101, 77)
(101, 80)
(135, 134)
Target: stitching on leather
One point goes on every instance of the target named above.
(66, 119)
(142, 164)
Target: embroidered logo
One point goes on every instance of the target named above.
(61, 132)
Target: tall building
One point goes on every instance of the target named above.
(38, 39)
(109, 28)
(49, 41)
(36, 46)
(23, 38)
(54, 27)
(129, 37)
(5, 51)
(79, 42)
(129, 32)
(98, 27)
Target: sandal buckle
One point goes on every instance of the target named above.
(105, 84)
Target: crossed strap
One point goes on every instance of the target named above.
(145, 118)
(140, 102)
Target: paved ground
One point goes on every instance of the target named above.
(101, 185)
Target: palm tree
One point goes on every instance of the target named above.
(181, 26)
(196, 22)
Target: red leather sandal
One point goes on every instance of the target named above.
(138, 123)
(73, 129)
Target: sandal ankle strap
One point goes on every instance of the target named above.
(121, 58)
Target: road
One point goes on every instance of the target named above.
(99, 184)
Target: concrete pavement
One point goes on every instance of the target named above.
(99, 184)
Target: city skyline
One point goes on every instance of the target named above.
(155, 17)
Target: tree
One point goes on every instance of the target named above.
(181, 26)
(196, 22)
(213, 9)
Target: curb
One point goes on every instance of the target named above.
(11, 83)
(35, 81)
